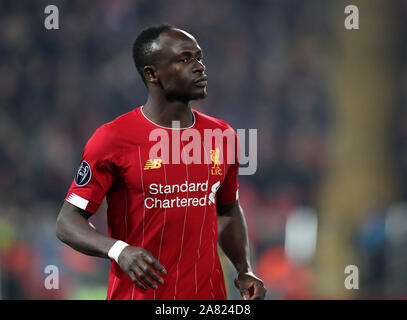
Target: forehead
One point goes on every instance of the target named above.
(175, 41)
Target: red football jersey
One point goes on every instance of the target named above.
(162, 186)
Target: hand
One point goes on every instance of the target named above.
(250, 287)
(140, 265)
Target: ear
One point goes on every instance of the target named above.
(150, 74)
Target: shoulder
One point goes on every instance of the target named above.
(118, 126)
(206, 121)
(111, 134)
(122, 123)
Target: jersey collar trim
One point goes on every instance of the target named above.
(193, 123)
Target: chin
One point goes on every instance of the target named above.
(186, 96)
(198, 96)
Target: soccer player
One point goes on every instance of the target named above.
(165, 216)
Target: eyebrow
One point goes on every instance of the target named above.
(189, 52)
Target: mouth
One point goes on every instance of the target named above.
(201, 82)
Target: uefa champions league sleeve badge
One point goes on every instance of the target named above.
(83, 175)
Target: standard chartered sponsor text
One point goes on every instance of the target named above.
(178, 201)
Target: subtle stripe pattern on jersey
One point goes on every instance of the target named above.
(144, 208)
(202, 225)
(144, 196)
(183, 228)
(165, 213)
(111, 292)
(213, 267)
(125, 212)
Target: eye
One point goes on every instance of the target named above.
(183, 60)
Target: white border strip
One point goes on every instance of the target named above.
(193, 123)
(77, 201)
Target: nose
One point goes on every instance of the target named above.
(199, 66)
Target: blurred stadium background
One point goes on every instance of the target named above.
(329, 105)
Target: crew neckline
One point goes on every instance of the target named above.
(170, 128)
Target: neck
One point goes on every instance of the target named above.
(163, 112)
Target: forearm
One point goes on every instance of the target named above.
(73, 228)
(233, 238)
(141, 266)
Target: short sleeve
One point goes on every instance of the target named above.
(229, 190)
(96, 172)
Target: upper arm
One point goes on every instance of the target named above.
(69, 210)
(69, 218)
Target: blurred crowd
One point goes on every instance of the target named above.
(267, 63)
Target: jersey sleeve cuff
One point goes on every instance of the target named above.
(82, 203)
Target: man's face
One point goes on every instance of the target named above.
(179, 68)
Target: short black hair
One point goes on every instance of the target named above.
(142, 51)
